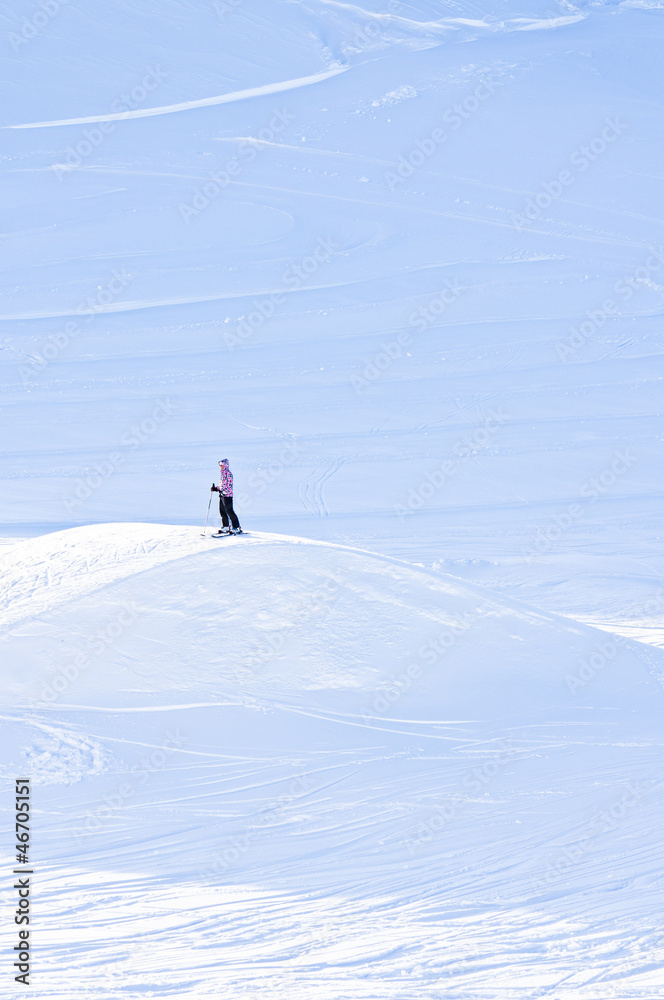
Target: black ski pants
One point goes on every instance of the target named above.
(227, 512)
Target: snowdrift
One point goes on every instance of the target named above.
(359, 770)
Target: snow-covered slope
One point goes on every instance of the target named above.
(385, 171)
(271, 766)
(402, 264)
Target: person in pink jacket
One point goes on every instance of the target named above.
(225, 491)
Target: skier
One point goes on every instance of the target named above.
(225, 491)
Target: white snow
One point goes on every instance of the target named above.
(401, 263)
(205, 102)
(291, 765)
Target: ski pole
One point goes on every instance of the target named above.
(206, 516)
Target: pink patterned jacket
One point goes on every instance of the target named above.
(226, 481)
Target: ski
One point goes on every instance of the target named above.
(227, 535)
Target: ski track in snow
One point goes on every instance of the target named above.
(22, 590)
(205, 102)
(420, 764)
(311, 490)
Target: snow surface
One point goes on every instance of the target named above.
(285, 766)
(403, 738)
